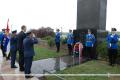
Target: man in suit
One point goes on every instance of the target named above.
(112, 41)
(21, 36)
(28, 44)
(13, 48)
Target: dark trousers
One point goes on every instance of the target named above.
(89, 52)
(70, 49)
(58, 46)
(112, 54)
(3, 52)
(13, 57)
(28, 64)
(21, 59)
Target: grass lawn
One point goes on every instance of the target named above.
(95, 67)
(43, 53)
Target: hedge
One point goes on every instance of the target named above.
(102, 51)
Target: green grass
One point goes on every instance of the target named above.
(44, 53)
(95, 67)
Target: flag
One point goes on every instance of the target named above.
(8, 36)
(7, 29)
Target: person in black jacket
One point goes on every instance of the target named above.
(21, 36)
(28, 44)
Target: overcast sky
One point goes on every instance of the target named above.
(49, 13)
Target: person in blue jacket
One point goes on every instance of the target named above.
(112, 41)
(1, 41)
(57, 40)
(1, 37)
(70, 42)
(28, 44)
(13, 48)
(89, 43)
(5, 41)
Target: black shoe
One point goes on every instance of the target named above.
(21, 69)
(7, 58)
(14, 66)
(28, 77)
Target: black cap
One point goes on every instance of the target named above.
(28, 33)
(3, 29)
(114, 29)
(15, 31)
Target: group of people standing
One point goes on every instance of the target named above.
(89, 43)
(23, 42)
(112, 42)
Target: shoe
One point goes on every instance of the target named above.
(28, 77)
(21, 69)
(7, 58)
(14, 66)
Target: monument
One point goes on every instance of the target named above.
(91, 14)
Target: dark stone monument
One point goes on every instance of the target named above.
(91, 14)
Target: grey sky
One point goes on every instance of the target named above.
(49, 13)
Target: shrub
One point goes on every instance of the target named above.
(103, 52)
(51, 42)
(43, 32)
(47, 38)
(64, 40)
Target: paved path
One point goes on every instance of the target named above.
(51, 65)
(5, 69)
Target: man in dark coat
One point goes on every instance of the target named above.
(21, 36)
(28, 44)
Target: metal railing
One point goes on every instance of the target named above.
(59, 77)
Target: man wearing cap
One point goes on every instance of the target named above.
(57, 40)
(1, 41)
(21, 36)
(112, 41)
(13, 48)
(28, 44)
(70, 42)
(89, 43)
